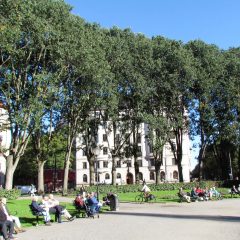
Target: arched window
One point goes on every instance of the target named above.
(162, 175)
(85, 178)
(140, 176)
(119, 175)
(152, 177)
(107, 176)
(175, 175)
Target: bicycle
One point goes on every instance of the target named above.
(145, 198)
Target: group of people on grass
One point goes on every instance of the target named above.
(198, 194)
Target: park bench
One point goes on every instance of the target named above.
(35, 213)
(81, 210)
(233, 193)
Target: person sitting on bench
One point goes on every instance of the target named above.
(54, 203)
(6, 224)
(14, 219)
(184, 195)
(42, 209)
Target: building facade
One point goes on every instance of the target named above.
(125, 166)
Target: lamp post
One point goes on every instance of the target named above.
(96, 151)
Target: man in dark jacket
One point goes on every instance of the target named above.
(6, 224)
(43, 210)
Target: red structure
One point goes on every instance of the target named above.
(53, 179)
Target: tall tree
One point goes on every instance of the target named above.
(135, 98)
(29, 36)
(176, 75)
(207, 68)
(86, 71)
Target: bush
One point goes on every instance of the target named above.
(104, 189)
(10, 194)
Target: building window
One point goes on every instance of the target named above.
(140, 163)
(175, 175)
(84, 150)
(85, 178)
(105, 151)
(140, 176)
(150, 148)
(118, 175)
(173, 161)
(139, 140)
(83, 140)
(152, 162)
(96, 177)
(84, 165)
(97, 164)
(105, 164)
(152, 177)
(119, 163)
(107, 176)
(173, 146)
(104, 124)
(127, 152)
(162, 175)
(129, 163)
(139, 151)
(104, 137)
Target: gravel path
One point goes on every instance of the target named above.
(181, 221)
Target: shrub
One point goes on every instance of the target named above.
(104, 189)
(10, 194)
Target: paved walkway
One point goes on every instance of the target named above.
(181, 221)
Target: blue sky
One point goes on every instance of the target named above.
(213, 21)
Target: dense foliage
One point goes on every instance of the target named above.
(10, 194)
(58, 71)
(104, 189)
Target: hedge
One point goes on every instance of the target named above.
(104, 189)
(10, 194)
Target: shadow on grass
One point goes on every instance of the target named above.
(180, 216)
(31, 221)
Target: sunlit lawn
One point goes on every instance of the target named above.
(161, 196)
(21, 208)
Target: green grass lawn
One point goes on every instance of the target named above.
(21, 208)
(162, 196)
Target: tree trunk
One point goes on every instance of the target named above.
(66, 171)
(67, 163)
(180, 173)
(157, 170)
(239, 162)
(200, 160)
(136, 168)
(9, 172)
(114, 172)
(41, 176)
(91, 170)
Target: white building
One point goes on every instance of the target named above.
(5, 140)
(125, 167)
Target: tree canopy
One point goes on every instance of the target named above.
(56, 70)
